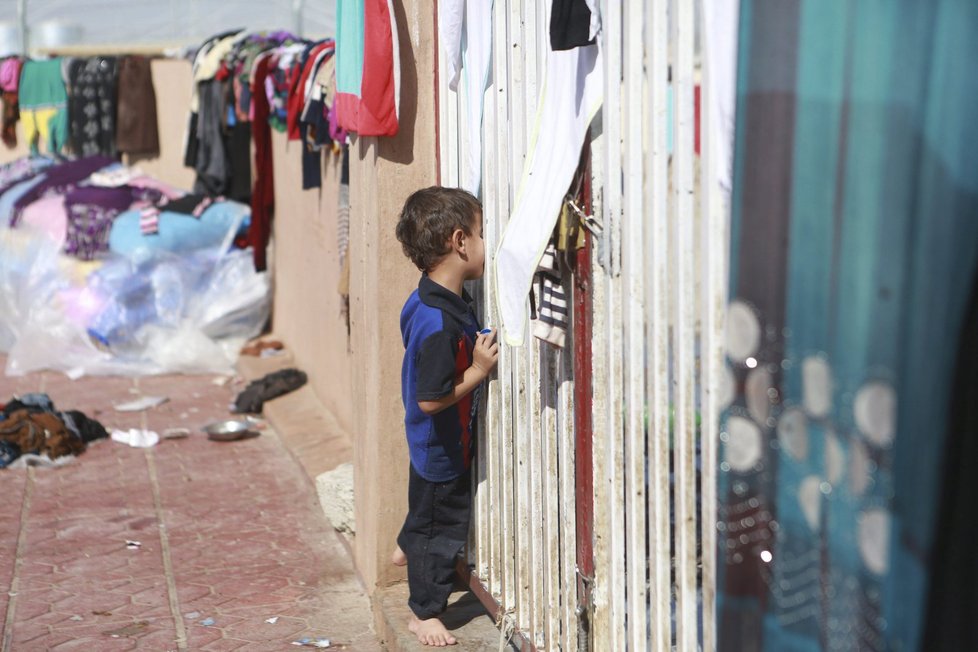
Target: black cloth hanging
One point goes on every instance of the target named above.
(92, 93)
(570, 25)
(952, 605)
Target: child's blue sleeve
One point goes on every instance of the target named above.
(436, 366)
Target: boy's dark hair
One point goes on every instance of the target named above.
(429, 218)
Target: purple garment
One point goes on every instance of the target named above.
(10, 74)
(91, 211)
(60, 179)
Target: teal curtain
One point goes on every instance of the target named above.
(854, 247)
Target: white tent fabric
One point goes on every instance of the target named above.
(171, 22)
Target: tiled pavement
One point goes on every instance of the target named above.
(229, 531)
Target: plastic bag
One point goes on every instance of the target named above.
(151, 313)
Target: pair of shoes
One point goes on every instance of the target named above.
(252, 399)
(255, 348)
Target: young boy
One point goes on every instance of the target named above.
(446, 359)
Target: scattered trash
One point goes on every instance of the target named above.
(129, 630)
(76, 618)
(176, 433)
(260, 347)
(192, 615)
(270, 386)
(140, 404)
(229, 430)
(270, 353)
(221, 381)
(133, 545)
(207, 622)
(30, 459)
(272, 620)
(101, 613)
(136, 438)
(312, 642)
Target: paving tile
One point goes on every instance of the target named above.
(246, 537)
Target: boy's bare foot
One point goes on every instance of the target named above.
(398, 558)
(431, 632)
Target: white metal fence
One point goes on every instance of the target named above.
(659, 295)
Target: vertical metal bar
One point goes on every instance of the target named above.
(657, 317)
(566, 463)
(583, 423)
(489, 550)
(684, 330)
(609, 588)
(552, 381)
(534, 351)
(522, 432)
(532, 477)
(633, 258)
(714, 270)
(504, 478)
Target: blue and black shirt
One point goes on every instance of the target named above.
(438, 328)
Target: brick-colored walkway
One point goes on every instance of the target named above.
(230, 532)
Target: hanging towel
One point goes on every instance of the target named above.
(721, 18)
(465, 31)
(550, 299)
(368, 75)
(572, 94)
(477, 57)
(137, 128)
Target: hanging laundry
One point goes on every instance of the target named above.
(550, 298)
(44, 105)
(92, 91)
(572, 97)
(137, 129)
(368, 75)
(212, 164)
(315, 119)
(263, 194)
(312, 173)
(465, 31)
(720, 20)
(9, 83)
(570, 24)
(205, 148)
(297, 98)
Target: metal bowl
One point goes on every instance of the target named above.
(229, 430)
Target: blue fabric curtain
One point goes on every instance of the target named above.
(854, 248)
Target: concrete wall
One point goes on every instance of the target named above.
(307, 313)
(384, 171)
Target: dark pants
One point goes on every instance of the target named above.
(436, 528)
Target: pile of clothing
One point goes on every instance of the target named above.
(245, 85)
(31, 427)
(93, 205)
(81, 106)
